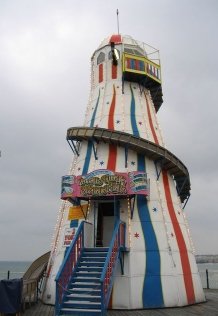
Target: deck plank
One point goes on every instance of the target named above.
(210, 308)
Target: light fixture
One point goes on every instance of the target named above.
(115, 54)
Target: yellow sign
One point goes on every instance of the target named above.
(77, 212)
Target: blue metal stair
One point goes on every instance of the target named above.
(83, 297)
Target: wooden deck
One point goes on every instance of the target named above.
(210, 308)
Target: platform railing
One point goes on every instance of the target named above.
(69, 263)
(117, 244)
(141, 66)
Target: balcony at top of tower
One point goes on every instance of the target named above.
(123, 58)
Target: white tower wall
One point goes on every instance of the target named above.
(160, 268)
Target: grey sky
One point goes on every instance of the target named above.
(44, 87)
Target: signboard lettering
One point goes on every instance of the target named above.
(105, 182)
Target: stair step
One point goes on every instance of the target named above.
(85, 285)
(94, 254)
(91, 264)
(84, 297)
(89, 269)
(80, 312)
(88, 274)
(82, 304)
(88, 291)
(95, 258)
(87, 280)
(105, 249)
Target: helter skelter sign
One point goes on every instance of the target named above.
(104, 182)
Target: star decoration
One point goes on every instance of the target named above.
(136, 235)
(154, 209)
(140, 123)
(101, 163)
(118, 121)
(133, 163)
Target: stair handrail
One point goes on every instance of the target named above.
(116, 245)
(68, 265)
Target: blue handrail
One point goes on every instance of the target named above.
(68, 265)
(116, 245)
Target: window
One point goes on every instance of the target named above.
(137, 52)
(100, 58)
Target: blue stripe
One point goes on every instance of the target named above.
(135, 130)
(87, 159)
(94, 112)
(152, 289)
(89, 146)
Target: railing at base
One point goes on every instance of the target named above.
(69, 263)
(209, 277)
(117, 244)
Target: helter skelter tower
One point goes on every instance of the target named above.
(126, 193)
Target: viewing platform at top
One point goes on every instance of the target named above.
(141, 64)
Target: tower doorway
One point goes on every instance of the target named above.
(106, 220)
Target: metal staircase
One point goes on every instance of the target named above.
(84, 294)
(85, 279)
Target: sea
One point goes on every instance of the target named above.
(13, 269)
(16, 270)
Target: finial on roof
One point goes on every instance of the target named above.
(118, 21)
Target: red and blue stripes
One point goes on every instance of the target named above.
(151, 122)
(95, 110)
(111, 164)
(152, 295)
(132, 114)
(88, 157)
(89, 144)
(187, 275)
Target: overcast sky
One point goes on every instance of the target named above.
(45, 53)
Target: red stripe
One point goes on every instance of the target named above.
(100, 73)
(114, 71)
(111, 165)
(111, 112)
(181, 242)
(128, 63)
(116, 38)
(136, 64)
(151, 122)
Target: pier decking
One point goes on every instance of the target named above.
(210, 308)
